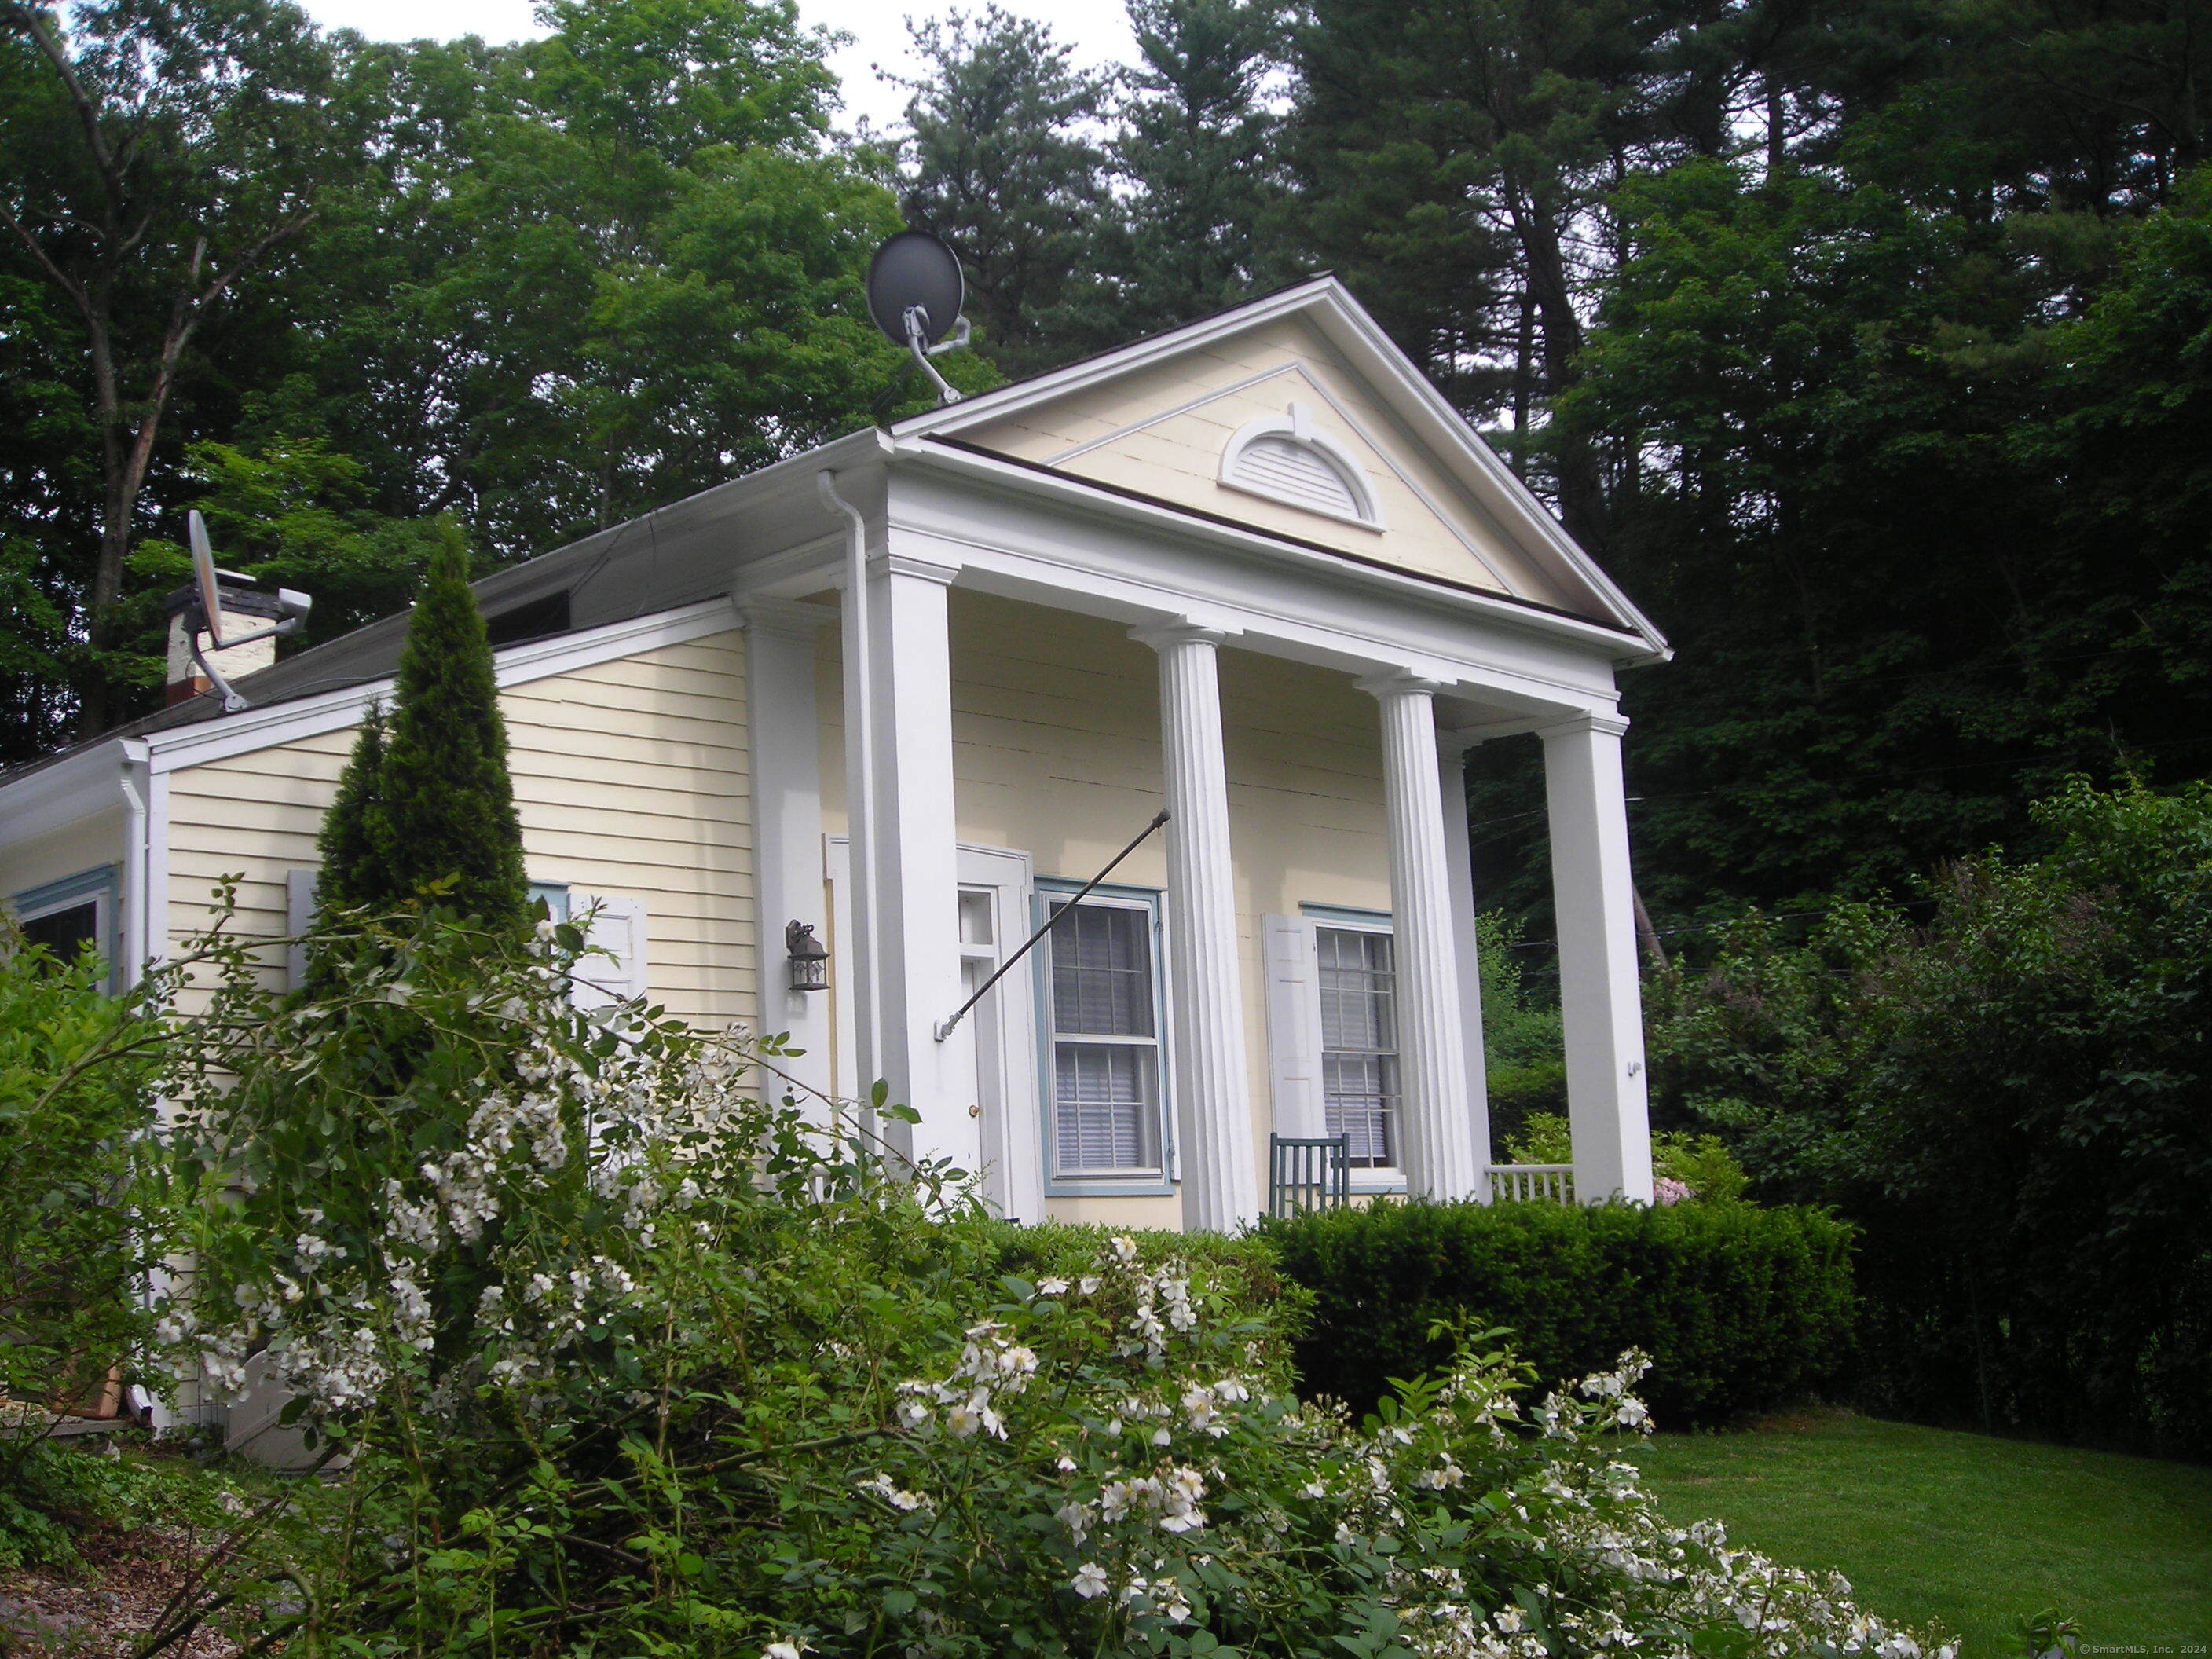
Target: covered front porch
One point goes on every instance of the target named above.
(1044, 666)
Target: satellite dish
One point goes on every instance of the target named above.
(915, 291)
(201, 607)
(204, 578)
(915, 271)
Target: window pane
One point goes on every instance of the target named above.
(65, 933)
(1102, 971)
(1106, 1117)
(1359, 1041)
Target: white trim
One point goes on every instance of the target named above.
(1053, 548)
(1345, 325)
(783, 732)
(54, 797)
(1271, 555)
(1303, 372)
(1002, 1029)
(285, 722)
(1298, 427)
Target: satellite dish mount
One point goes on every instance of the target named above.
(201, 605)
(915, 291)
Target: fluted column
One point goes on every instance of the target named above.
(1213, 1093)
(1601, 1000)
(1439, 1151)
(1459, 865)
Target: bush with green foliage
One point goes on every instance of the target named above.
(1741, 1308)
(2007, 1086)
(79, 1224)
(628, 1359)
(1523, 1049)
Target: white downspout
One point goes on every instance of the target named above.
(861, 787)
(137, 937)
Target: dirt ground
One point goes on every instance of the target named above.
(106, 1610)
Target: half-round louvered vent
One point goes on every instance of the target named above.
(1282, 466)
(1283, 457)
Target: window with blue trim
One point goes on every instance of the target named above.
(1101, 990)
(66, 915)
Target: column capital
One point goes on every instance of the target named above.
(1397, 683)
(1457, 740)
(1609, 723)
(906, 564)
(1182, 631)
(781, 618)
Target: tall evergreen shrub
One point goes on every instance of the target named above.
(352, 841)
(426, 807)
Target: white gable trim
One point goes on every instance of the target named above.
(1371, 352)
(1382, 451)
(333, 711)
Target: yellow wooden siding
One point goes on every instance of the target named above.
(1056, 753)
(631, 778)
(90, 843)
(1149, 440)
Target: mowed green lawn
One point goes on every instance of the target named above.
(1975, 1532)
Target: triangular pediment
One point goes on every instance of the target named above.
(1294, 416)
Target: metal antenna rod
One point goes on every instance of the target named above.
(946, 1027)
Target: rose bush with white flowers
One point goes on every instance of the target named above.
(628, 1355)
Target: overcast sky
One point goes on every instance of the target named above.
(1097, 29)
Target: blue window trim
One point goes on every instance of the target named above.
(103, 884)
(1044, 890)
(556, 895)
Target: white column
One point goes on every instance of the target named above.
(787, 801)
(1439, 1151)
(1205, 981)
(1600, 993)
(1459, 866)
(915, 859)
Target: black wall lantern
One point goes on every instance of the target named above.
(809, 962)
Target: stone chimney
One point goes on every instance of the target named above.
(244, 611)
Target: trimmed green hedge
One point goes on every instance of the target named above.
(1742, 1308)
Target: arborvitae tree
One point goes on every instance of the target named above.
(446, 805)
(1197, 142)
(352, 841)
(1005, 171)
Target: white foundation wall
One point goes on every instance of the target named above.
(1056, 753)
(631, 778)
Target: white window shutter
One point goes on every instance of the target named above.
(1294, 1026)
(298, 916)
(618, 927)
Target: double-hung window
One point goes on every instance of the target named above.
(1103, 993)
(1356, 971)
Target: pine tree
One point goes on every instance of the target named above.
(1198, 143)
(352, 839)
(444, 811)
(1004, 169)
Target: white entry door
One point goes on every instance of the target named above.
(998, 1037)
